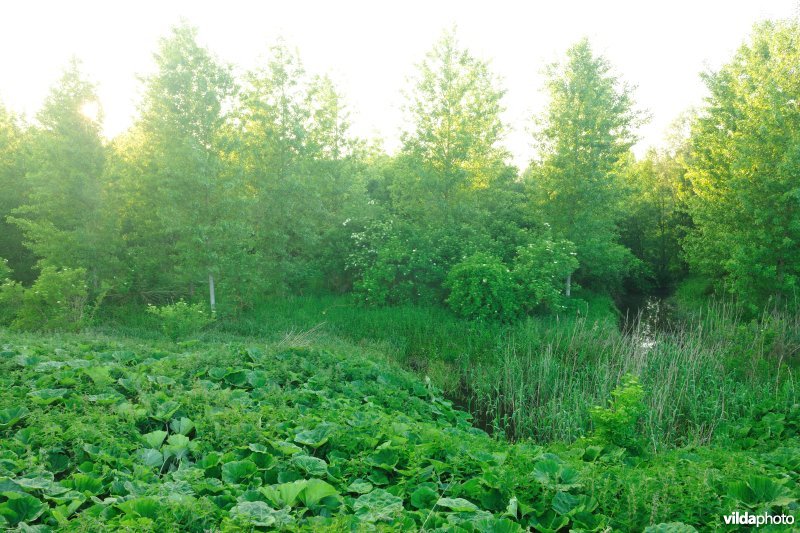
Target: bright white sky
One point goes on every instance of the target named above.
(370, 48)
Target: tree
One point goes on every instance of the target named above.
(302, 167)
(62, 219)
(444, 181)
(192, 200)
(13, 147)
(654, 222)
(744, 171)
(584, 140)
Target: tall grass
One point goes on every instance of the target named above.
(699, 376)
(539, 378)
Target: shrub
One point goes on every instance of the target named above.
(11, 294)
(482, 287)
(394, 265)
(616, 424)
(56, 300)
(541, 269)
(181, 319)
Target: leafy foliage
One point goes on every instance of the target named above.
(57, 300)
(482, 287)
(306, 452)
(181, 319)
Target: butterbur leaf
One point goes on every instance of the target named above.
(284, 494)
(564, 503)
(315, 437)
(209, 461)
(359, 486)
(85, 484)
(424, 498)
(256, 513)
(385, 459)
(313, 466)
(458, 505)
(20, 507)
(164, 411)
(588, 521)
(12, 415)
(100, 375)
(145, 507)
(48, 396)
(495, 525)
(549, 522)
(256, 379)
(217, 373)
(178, 446)
(35, 483)
(184, 426)
(315, 491)
(285, 448)
(155, 438)
(237, 378)
(378, 505)
(758, 491)
(238, 471)
(151, 457)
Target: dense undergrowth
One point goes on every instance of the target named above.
(312, 433)
(539, 378)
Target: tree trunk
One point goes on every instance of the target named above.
(568, 288)
(212, 296)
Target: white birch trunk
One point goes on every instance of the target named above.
(212, 296)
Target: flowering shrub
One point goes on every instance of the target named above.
(541, 269)
(482, 287)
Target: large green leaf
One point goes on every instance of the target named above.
(315, 437)
(284, 494)
(385, 459)
(313, 466)
(183, 426)
(20, 507)
(12, 415)
(145, 507)
(256, 513)
(155, 438)
(424, 498)
(48, 396)
(315, 491)
(238, 471)
(378, 505)
(459, 505)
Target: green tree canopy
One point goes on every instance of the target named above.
(584, 139)
(745, 170)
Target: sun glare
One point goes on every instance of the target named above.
(90, 110)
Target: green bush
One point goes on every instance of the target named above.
(180, 319)
(541, 269)
(56, 301)
(11, 294)
(617, 423)
(482, 287)
(395, 265)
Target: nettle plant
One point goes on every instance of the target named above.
(181, 319)
(617, 423)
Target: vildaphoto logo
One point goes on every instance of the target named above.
(758, 520)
